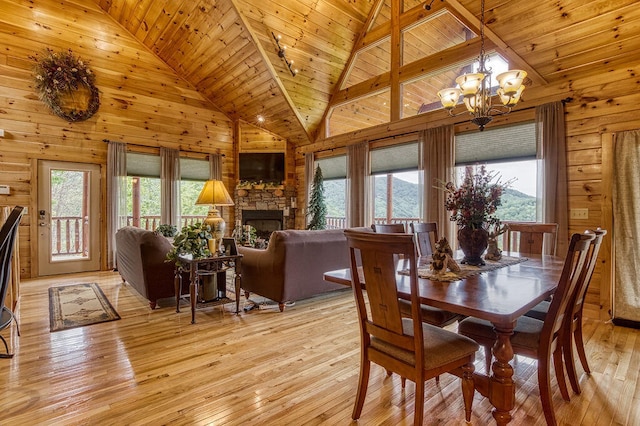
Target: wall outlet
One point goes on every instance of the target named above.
(579, 213)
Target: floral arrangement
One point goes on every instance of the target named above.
(60, 74)
(474, 203)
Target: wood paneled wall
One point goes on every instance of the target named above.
(143, 102)
(602, 104)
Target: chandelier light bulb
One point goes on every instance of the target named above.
(470, 83)
(449, 97)
(476, 88)
(511, 81)
(510, 99)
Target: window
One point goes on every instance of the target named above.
(395, 183)
(144, 190)
(511, 152)
(334, 174)
(193, 174)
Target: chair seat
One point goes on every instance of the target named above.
(430, 315)
(539, 311)
(441, 346)
(6, 316)
(526, 334)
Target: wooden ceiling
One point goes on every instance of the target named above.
(225, 48)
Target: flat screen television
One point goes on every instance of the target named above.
(262, 166)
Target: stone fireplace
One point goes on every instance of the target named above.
(265, 221)
(267, 209)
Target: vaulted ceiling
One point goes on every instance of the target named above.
(226, 49)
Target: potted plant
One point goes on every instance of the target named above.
(473, 205)
(166, 230)
(193, 240)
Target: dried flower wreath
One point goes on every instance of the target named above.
(60, 74)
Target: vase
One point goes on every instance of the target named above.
(473, 242)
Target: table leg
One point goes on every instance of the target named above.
(502, 390)
(192, 294)
(177, 283)
(237, 282)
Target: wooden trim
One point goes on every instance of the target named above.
(33, 218)
(608, 246)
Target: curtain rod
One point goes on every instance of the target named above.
(147, 146)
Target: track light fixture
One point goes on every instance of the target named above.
(282, 53)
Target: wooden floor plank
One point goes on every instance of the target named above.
(261, 367)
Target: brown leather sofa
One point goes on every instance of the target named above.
(141, 261)
(292, 266)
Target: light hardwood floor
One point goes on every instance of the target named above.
(299, 367)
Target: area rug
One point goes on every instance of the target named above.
(78, 305)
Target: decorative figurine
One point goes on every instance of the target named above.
(442, 258)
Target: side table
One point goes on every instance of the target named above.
(199, 268)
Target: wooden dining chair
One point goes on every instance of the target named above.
(527, 237)
(7, 243)
(406, 346)
(430, 315)
(389, 228)
(541, 340)
(573, 324)
(426, 236)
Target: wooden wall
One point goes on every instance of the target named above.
(143, 102)
(603, 103)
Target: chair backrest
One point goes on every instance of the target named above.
(383, 321)
(527, 237)
(577, 301)
(426, 236)
(7, 239)
(573, 271)
(388, 228)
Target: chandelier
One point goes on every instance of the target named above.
(476, 89)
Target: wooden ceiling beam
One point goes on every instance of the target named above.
(271, 69)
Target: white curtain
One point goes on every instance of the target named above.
(552, 171)
(437, 165)
(170, 186)
(309, 169)
(116, 196)
(359, 208)
(626, 213)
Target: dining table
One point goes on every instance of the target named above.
(499, 293)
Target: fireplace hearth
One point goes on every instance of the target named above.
(264, 221)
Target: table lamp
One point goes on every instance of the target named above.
(215, 194)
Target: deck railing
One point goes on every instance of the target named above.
(334, 222)
(70, 234)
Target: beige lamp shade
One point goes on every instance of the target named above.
(214, 193)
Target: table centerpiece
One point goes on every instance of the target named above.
(473, 206)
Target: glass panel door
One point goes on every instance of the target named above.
(68, 217)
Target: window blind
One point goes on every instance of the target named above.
(395, 158)
(143, 165)
(146, 165)
(333, 167)
(498, 144)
